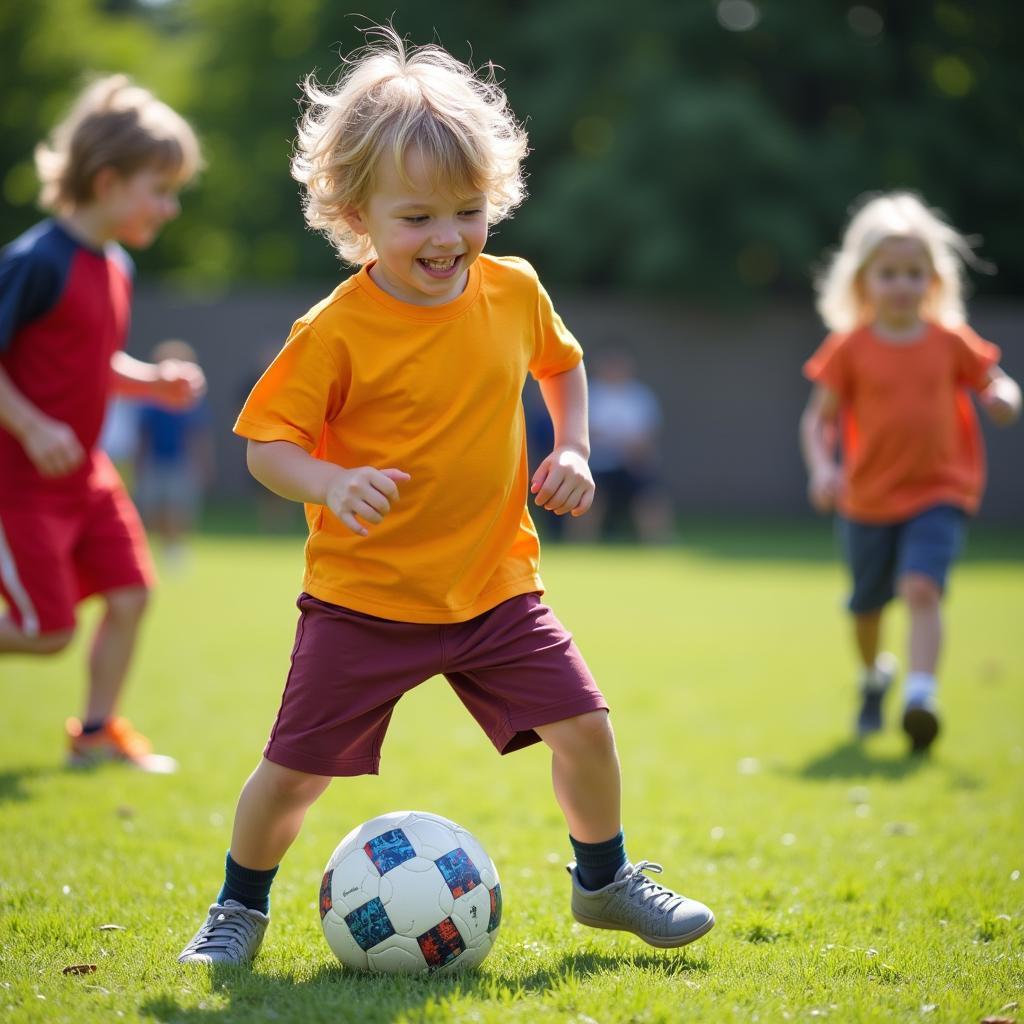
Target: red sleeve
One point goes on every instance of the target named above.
(974, 358)
(828, 365)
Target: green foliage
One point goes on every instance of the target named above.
(670, 154)
(849, 881)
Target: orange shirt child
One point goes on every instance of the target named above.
(909, 432)
(366, 379)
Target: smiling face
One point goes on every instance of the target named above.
(896, 280)
(426, 235)
(135, 207)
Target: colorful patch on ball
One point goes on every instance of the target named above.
(442, 944)
(389, 849)
(325, 894)
(495, 918)
(458, 871)
(370, 924)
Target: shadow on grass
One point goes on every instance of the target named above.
(851, 760)
(14, 781)
(336, 994)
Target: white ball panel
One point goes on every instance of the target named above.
(398, 954)
(431, 837)
(415, 901)
(471, 913)
(355, 881)
(342, 944)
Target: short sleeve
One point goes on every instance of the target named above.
(302, 390)
(555, 349)
(829, 365)
(974, 358)
(29, 288)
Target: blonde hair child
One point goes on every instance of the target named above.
(891, 385)
(394, 413)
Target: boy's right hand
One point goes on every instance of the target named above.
(364, 492)
(824, 486)
(52, 446)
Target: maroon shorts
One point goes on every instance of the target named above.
(58, 550)
(514, 667)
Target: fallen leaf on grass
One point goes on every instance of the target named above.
(112, 928)
(79, 969)
(998, 1020)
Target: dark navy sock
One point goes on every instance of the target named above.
(596, 863)
(88, 728)
(248, 886)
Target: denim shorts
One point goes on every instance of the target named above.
(880, 553)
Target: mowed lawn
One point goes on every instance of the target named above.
(850, 883)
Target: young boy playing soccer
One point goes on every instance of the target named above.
(394, 413)
(895, 374)
(67, 528)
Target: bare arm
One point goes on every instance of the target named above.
(816, 423)
(563, 483)
(52, 446)
(1001, 398)
(172, 382)
(289, 471)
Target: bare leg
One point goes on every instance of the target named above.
(924, 602)
(272, 805)
(867, 628)
(585, 773)
(112, 649)
(14, 641)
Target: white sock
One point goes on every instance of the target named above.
(920, 686)
(876, 678)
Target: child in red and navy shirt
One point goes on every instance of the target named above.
(68, 530)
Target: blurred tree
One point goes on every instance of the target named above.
(706, 150)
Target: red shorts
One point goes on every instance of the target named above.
(514, 667)
(57, 549)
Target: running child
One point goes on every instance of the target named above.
(394, 413)
(895, 378)
(110, 174)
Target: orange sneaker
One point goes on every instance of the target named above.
(116, 741)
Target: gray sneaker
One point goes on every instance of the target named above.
(231, 934)
(634, 903)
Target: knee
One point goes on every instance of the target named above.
(919, 591)
(52, 643)
(127, 605)
(585, 735)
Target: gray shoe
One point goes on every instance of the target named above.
(231, 934)
(874, 684)
(634, 903)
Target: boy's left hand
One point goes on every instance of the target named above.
(563, 483)
(179, 384)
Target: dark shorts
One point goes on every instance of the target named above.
(879, 554)
(514, 667)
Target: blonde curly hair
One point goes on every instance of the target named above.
(388, 98)
(880, 216)
(113, 123)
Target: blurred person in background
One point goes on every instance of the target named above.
(110, 173)
(174, 462)
(895, 377)
(625, 419)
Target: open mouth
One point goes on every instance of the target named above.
(441, 267)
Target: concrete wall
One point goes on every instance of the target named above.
(730, 386)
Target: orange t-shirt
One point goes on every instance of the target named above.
(910, 435)
(368, 380)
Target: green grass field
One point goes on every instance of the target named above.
(850, 883)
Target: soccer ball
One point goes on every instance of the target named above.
(409, 892)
